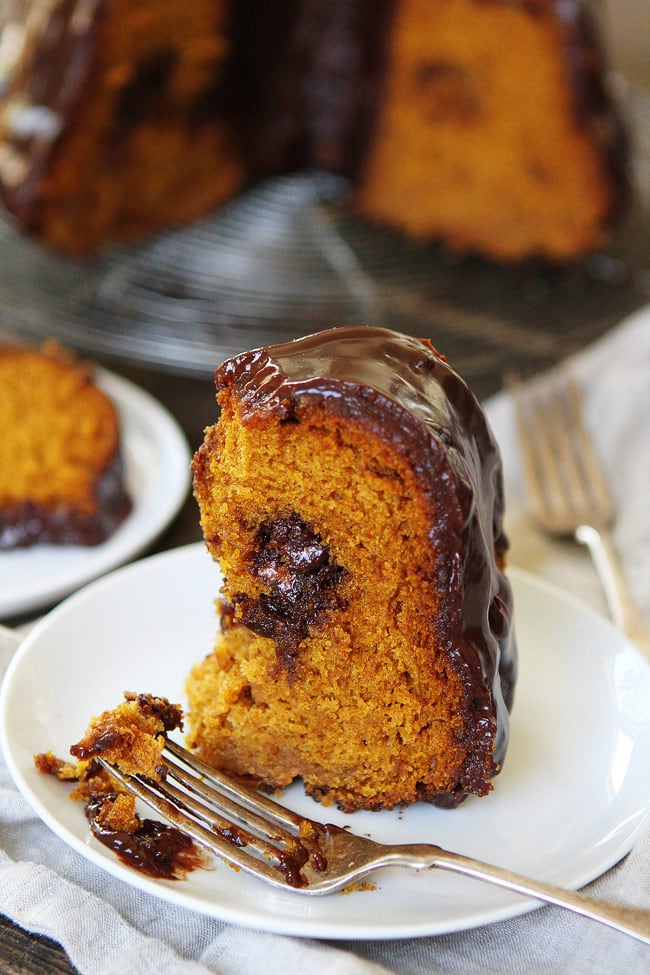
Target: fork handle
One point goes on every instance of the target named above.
(615, 587)
(628, 920)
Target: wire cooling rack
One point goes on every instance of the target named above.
(287, 258)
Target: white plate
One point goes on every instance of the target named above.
(156, 460)
(569, 803)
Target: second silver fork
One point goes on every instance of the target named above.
(567, 491)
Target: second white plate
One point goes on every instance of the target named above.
(157, 471)
(569, 803)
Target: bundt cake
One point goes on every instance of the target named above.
(61, 469)
(351, 493)
(486, 125)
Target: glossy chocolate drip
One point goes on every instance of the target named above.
(409, 396)
(154, 849)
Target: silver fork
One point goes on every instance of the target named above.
(566, 488)
(258, 835)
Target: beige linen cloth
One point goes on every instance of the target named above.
(109, 928)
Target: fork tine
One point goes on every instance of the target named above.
(564, 478)
(593, 475)
(562, 446)
(254, 802)
(279, 864)
(553, 436)
(220, 813)
(159, 800)
(540, 470)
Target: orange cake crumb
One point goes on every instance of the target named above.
(132, 735)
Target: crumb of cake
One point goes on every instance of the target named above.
(132, 735)
(361, 885)
(49, 764)
(117, 812)
(91, 778)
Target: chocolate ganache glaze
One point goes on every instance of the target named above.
(412, 398)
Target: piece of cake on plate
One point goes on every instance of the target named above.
(351, 492)
(61, 465)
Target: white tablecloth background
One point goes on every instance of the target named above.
(109, 928)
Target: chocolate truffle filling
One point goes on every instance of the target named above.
(289, 558)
